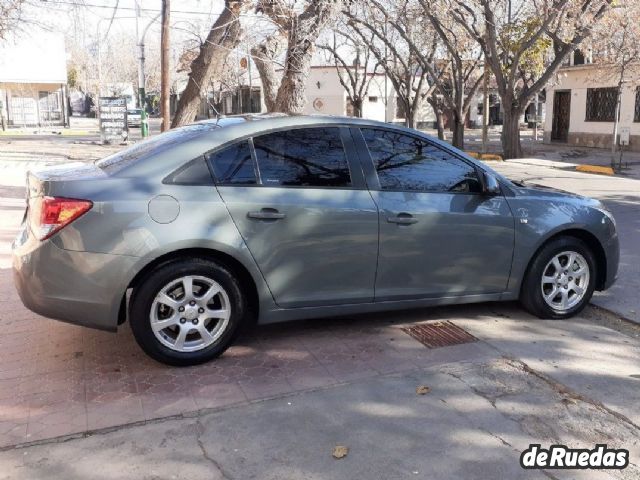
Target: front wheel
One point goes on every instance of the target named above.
(187, 312)
(560, 280)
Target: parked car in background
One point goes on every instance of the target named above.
(134, 117)
(204, 228)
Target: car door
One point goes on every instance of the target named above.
(299, 201)
(440, 236)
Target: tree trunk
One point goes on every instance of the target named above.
(410, 116)
(304, 31)
(357, 107)
(440, 122)
(223, 37)
(263, 56)
(165, 88)
(458, 130)
(510, 137)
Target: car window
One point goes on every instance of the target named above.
(407, 163)
(195, 172)
(233, 165)
(306, 157)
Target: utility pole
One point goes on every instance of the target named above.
(485, 106)
(164, 67)
(142, 95)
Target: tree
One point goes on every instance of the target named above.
(224, 36)
(397, 54)
(355, 77)
(10, 16)
(616, 41)
(525, 49)
(302, 31)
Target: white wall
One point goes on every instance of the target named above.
(578, 79)
(330, 97)
(37, 57)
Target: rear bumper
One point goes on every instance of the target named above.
(82, 288)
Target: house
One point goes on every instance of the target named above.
(327, 96)
(583, 106)
(33, 80)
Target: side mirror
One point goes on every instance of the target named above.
(490, 184)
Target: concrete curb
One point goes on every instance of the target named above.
(12, 133)
(486, 156)
(595, 169)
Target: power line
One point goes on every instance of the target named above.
(92, 5)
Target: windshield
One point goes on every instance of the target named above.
(152, 146)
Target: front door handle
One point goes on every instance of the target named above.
(403, 219)
(266, 214)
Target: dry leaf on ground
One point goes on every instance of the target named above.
(422, 390)
(340, 451)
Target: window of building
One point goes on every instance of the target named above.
(601, 104)
(234, 165)
(636, 111)
(373, 99)
(306, 157)
(407, 163)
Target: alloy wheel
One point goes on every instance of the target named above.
(190, 313)
(565, 280)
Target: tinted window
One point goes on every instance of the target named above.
(195, 172)
(310, 157)
(408, 163)
(233, 165)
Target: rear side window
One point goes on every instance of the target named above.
(306, 157)
(195, 172)
(407, 163)
(233, 165)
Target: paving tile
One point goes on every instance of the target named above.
(47, 424)
(157, 405)
(214, 395)
(264, 388)
(12, 433)
(114, 411)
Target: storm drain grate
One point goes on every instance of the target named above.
(441, 334)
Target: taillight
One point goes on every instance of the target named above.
(49, 215)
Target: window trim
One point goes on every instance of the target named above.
(357, 177)
(372, 174)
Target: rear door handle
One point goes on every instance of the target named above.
(266, 214)
(403, 219)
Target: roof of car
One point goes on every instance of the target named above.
(283, 119)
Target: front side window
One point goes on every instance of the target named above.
(233, 165)
(306, 157)
(636, 111)
(407, 163)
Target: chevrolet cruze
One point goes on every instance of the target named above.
(195, 232)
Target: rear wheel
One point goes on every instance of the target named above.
(560, 280)
(187, 312)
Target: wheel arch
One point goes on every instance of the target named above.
(592, 242)
(244, 276)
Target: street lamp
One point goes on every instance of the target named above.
(142, 96)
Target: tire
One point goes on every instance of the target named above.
(169, 323)
(544, 279)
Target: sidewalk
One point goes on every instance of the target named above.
(487, 402)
